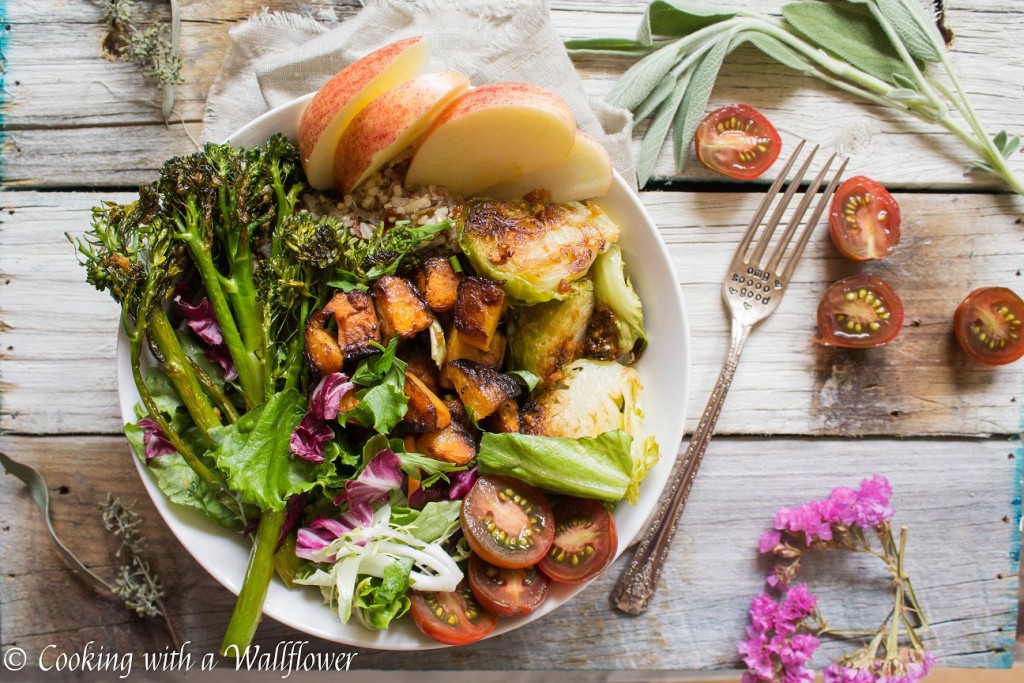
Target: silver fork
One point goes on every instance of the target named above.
(752, 290)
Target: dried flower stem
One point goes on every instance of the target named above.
(136, 583)
(154, 50)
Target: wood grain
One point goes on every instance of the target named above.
(960, 567)
(57, 121)
(59, 374)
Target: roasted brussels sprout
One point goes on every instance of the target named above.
(622, 315)
(594, 397)
(538, 250)
(544, 337)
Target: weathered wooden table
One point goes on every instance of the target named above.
(800, 419)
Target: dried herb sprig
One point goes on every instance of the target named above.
(155, 50)
(136, 583)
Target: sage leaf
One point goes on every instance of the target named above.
(625, 47)
(695, 99)
(904, 82)
(1006, 144)
(657, 96)
(850, 33)
(911, 24)
(658, 130)
(679, 18)
(642, 78)
(775, 49)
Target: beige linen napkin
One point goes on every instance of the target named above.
(275, 57)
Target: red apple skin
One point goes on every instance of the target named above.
(345, 86)
(475, 165)
(391, 123)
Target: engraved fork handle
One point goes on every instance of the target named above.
(636, 586)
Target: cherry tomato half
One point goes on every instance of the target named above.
(737, 141)
(859, 312)
(507, 522)
(987, 325)
(507, 592)
(453, 618)
(864, 220)
(585, 541)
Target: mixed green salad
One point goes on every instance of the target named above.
(423, 419)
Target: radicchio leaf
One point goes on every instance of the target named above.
(154, 440)
(375, 483)
(323, 530)
(199, 318)
(309, 437)
(458, 485)
(326, 397)
(222, 357)
(292, 513)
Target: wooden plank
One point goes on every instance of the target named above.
(959, 498)
(919, 385)
(63, 95)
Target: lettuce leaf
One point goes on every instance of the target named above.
(254, 453)
(598, 467)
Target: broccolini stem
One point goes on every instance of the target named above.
(213, 390)
(246, 363)
(178, 368)
(258, 573)
(213, 481)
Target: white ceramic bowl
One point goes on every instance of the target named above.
(664, 369)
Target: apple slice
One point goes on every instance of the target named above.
(391, 123)
(584, 174)
(341, 98)
(491, 135)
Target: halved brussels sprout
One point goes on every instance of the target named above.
(544, 337)
(594, 397)
(537, 250)
(621, 314)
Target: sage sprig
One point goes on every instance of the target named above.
(888, 52)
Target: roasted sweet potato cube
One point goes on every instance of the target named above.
(459, 414)
(452, 444)
(478, 310)
(401, 310)
(423, 366)
(322, 350)
(438, 283)
(426, 412)
(505, 419)
(480, 388)
(457, 348)
(357, 322)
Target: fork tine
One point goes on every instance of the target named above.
(773, 222)
(798, 250)
(766, 202)
(794, 220)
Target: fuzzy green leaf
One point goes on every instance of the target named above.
(679, 18)
(658, 130)
(608, 46)
(695, 99)
(658, 95)
(849, 32)
(634, 86)
(917, 33)
(774, 49)
(903, 82)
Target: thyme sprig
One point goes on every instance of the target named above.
(155, 50)
(136, 583)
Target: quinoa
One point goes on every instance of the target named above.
(382, 200)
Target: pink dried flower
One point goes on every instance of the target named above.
(769, 541)
(773, 649)
(805, 519)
